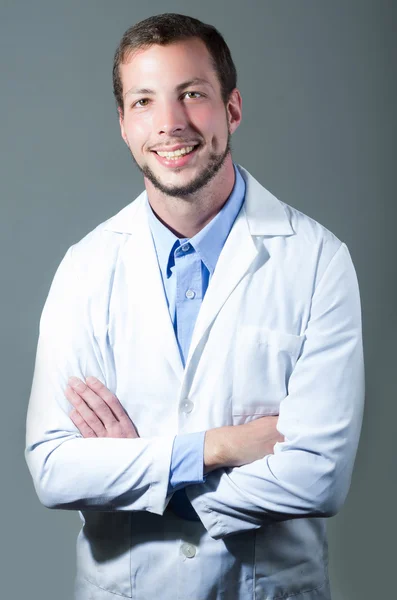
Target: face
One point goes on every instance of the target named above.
(175, 122)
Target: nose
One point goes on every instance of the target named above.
(170, 118)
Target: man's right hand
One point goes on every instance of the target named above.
(237, 445)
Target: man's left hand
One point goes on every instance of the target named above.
(97, 412)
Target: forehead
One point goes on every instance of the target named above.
(158, 65)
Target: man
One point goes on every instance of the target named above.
(198, 386)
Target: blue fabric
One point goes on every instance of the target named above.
(186, 267)
(187, 463)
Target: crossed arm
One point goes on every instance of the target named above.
(97, 412)
(306, 475)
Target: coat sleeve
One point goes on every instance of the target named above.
(69, 471)
(309, 473)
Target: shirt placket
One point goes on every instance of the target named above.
(188, 294)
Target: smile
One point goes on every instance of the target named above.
(176, 153)
(177, 158)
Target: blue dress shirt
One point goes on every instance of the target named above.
(186, 267)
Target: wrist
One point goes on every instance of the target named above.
(215, 449)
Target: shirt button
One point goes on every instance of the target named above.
(187, 406)
(185, 247)
(190, 294)
(188, 550)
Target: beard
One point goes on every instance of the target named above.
(214, 164)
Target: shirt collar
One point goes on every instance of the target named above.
(164, 240)
(208, 242)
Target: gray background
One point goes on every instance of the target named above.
(319, 89)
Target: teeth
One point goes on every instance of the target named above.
(177, 153)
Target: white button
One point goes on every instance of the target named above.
(190, 294)
(187, 406)
(188, 550)
(185, 247)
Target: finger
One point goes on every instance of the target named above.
(111, 400)
(128, 429)
(81, 425)
(94, 401)
(85, 411)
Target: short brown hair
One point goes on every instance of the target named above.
(168, 28)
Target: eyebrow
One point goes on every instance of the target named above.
(179, 87)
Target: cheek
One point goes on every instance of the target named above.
(212, 126)
(205, 118)
(215, 129)
(138, 130)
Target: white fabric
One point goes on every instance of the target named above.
(279, 331)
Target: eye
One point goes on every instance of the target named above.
(193, 95)
(141, 103)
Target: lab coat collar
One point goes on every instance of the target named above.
(264, 212)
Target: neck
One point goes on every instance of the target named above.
(187, 216)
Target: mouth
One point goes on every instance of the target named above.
(177, 158)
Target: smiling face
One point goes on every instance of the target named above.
(175, 122)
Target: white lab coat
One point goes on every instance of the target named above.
(279, 332)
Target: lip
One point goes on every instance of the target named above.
(173, 163)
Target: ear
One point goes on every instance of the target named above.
(234, 110)
(121, 122)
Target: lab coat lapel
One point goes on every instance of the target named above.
(234, 261)
(143, 278)
(261, 215)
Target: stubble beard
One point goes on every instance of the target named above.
(215, 162)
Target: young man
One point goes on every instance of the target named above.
(198, 387)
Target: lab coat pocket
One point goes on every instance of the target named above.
(286, 565)
(263, 362)
(104, 551)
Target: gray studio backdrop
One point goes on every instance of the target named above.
(319, 130)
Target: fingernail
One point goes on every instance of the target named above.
(74, 381)
(91, 379)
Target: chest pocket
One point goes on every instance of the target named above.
(263, 362)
